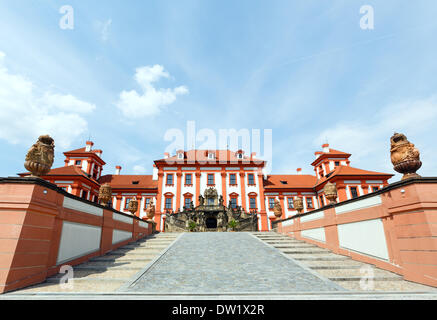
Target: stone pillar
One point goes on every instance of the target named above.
(225, 201)
(178, 190)
(243, 190)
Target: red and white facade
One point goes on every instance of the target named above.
(180, 179)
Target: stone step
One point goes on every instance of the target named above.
(386, 285)
(305, 251)
(297, 246)
(103, 267)
(335, 263)
(81, 274)
(358, 273)
(117, 258)
(117, 264)
(146, 252)
(360, 278)
(137, 250)
(320, 258)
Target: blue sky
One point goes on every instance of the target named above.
(127, 73)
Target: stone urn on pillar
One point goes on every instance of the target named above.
(105, 194)
(133, 206)
(298, 204)
(277, 209)
(330, 191)
(39, 158)
(404, 156)
(150, 211)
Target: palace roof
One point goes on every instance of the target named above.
(221, 156)
(350, 171)
(283, 181)
(118, 181)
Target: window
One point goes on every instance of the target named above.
(284, 182)
(375, 189)
(78, 162)
(126, 205)
(84, 194)
(337, 163)
(210, 178)
(210, 155)
(354, 192)
(188, 178)
(146, 204)
(271, 203)
(210, 201)
(232, 178)
(251, 178)
(233, 203)
(169, 179)
(290, 203)
(168, 203)
(187, 202)
(239, 156)
(180, 155)
(310, 202)
(252, 203)
(322, 202)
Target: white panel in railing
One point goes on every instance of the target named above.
(316, 234)
(288, 223)
(82, 206)
(367, 237)
(313, 216)
(122, 218)
(143, 224)
(359, 204)
(119, 235)
(77, 240)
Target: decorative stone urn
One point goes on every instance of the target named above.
(277, 209)
(133, 206)
(404, 156)
(150, 211)
(330, 191)
(39, 158)
(298, 204)
(105, 194)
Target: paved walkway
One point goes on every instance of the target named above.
(227, 263)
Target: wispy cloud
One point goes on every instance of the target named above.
(103, 28)
(151, 100)
(25, 114)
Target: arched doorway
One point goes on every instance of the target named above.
(211, 223)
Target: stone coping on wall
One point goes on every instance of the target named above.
(389, 187)
(49, 185)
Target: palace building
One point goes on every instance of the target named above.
(178, 182)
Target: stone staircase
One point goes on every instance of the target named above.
(348, 273)
(107, 273)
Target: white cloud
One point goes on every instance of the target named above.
(103, 29)
(368, 140)
(151, 100)
(24, 114)
(139, 169)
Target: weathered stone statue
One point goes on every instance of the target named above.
(404, 156)
(298, 204)
(201, 200)
(221, 200)
(133, 206)
(330, 191)
(150, 211)
(39, 158)
(277, 209)
(105, 194)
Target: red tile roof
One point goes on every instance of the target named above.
(332, 153)
(350, 171)
(292, 181)
(65, 171)
(118, 181)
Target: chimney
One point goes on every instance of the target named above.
(253, 155)
(299, 170)
(117, 170)
(98, 152)
(166, 155)
(325, 147)
(88, 146)
(318, 154)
